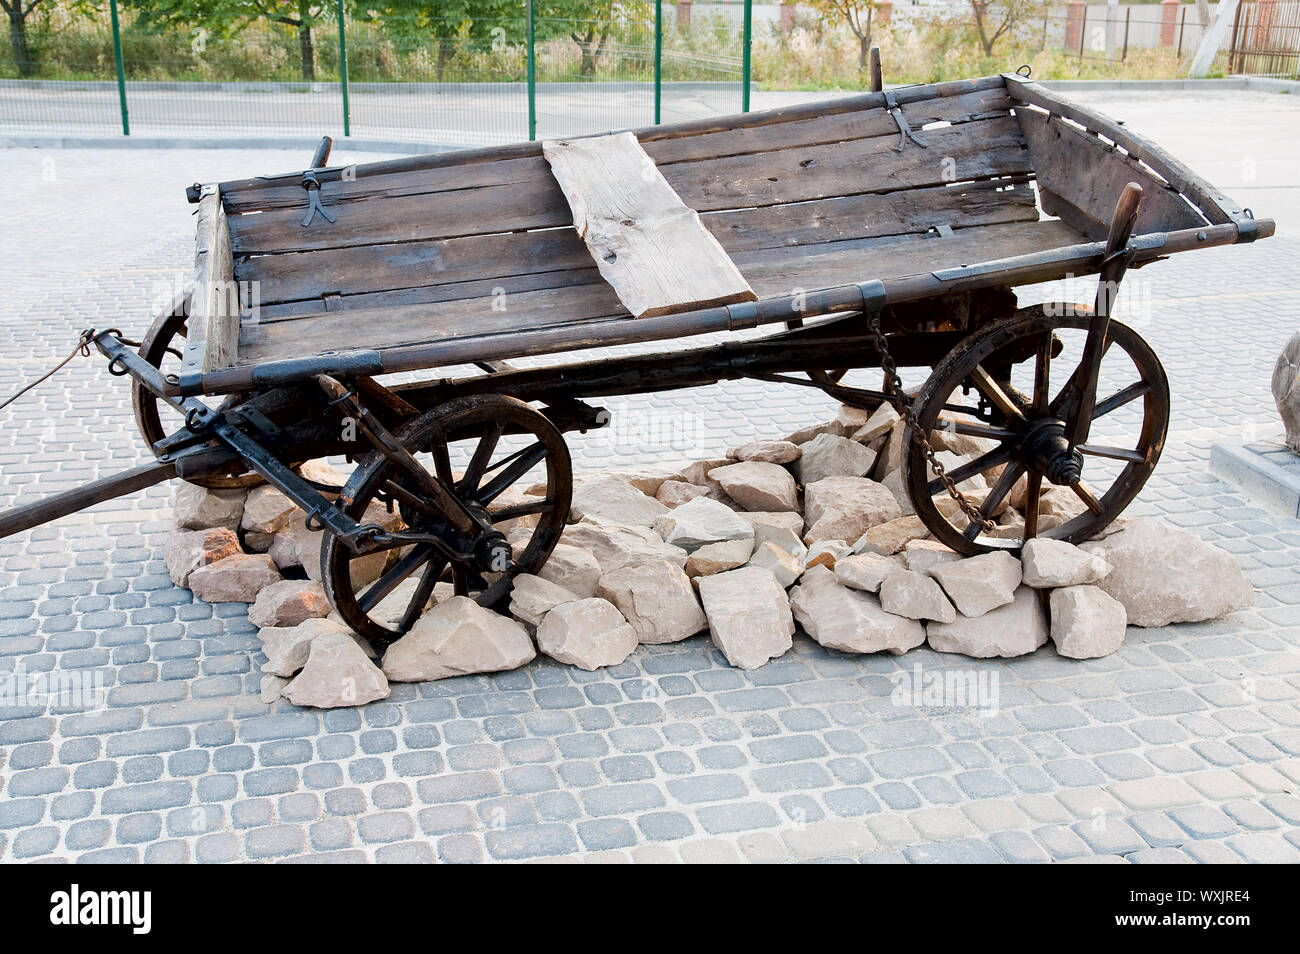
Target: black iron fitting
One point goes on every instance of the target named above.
(904, 130)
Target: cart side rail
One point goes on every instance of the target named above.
(212, 328)
(1214, 205)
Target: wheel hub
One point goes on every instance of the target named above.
(1046, 450)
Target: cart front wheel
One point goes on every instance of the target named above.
(1001, 406)
(499, 446)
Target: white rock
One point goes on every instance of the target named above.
(827, 455)
(1013, 629)
(197, 508)
(749, 615)
(1086, 622)
(298, 546)
(893, 482)
(980, 583)
(756, 485)
(1286, 390)
(656, 599)
(806, 434)
(924, 555)
(614, 547)
(1164, 574)
(891, 458)
(951, 462)
(337, 673)
(850, 620)
(236, 579)
(702, 521)
(878, 424)
(573, 568)
(844, 508)
(323, 472)
(916, 596)
(187, 550)
(850, 418)
(1049, 563)
(717, 557)
(287, 647)
(674, 493)
(865, 571)
(785, 566)
(532, 597)
(826, 553)
(772, 452)
(289, 603)
(455, 638)
(267, 511)
(609, 500)
(783, 529)
(270, 688)
(889, 538)
(588, 633)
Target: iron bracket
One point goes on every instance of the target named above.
(904, 131)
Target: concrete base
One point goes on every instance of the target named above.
(1266, 470)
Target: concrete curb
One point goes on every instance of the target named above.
(1259, 476)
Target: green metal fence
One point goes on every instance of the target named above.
(357, 72)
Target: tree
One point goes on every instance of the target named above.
(857, 14)
(995, 20)
(448, 21)
(230, 17)
(590, 24)
(18, 12)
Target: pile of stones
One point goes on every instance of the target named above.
(814, 529)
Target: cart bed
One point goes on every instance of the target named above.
(478, 246)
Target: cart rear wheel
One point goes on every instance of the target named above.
(1008, 428)
(499, 446)
(163, 347)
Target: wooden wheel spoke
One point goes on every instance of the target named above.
(996, 394)
(460, 579)
(1120, 398)
(442, 461)
(525, 461)
(1114, 453)
(1032, 495)
(423, 593)
(541, 505)
(389, 580)
(999, 455)
(1084, 493)
(1006, 480)
(979, 430)
(1065, 401)
(487, 444)
(410, 498)
(1043, 375)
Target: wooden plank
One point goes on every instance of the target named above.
(241, 189)
(976, 150)
(1080, 180)
(828, 128)
(866, 216)
(647, 244)
(772, 273)
(213, 323)
(1213, 204)
(370, 268)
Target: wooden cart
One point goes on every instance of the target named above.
(885, 230)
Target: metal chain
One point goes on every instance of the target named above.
(894, 385)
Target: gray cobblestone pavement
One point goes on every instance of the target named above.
(1182, 747)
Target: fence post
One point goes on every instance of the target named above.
(659, 58)
(532, 75)
(121, 72)
(1128, 15)
(745, 64)
(343, 73)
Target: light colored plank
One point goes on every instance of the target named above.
(213, 340)
(650, 248)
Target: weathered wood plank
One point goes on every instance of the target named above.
(976, 150)
(1080, 180)
(772, 272)
(647, 244)
(213, 323)
(828, 128)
